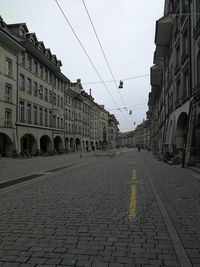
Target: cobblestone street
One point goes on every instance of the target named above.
(129, 210)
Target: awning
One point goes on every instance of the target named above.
(163, 30)
(156, 75)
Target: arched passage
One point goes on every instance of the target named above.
(181, 130)
(58, 146)
(78, 144)
(71, 144)
(195, 149)
(45, 143)
(92, 145)
(96, 145)
(6, 145)
(83, 145)
(67, 144)
(87, 146)
(28, 143)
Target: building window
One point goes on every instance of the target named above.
(8, 117)
(29, 62)
(177, 92)
(8, 93)
(28, 113)
(50, 97)
(185, 85)
(61, 102)
(46, 117)
(21, 111)
(22, 58)
(50, 118)
(54, 99)
(41, 71)
(46, 94)
(197, 10)
(58, 100)
(198, 71)
(29, 86)
(35, 89)
(185, 43)
(8, 67)
(62, 124)
(22, 82)
(58, 122)
(41, 116)
(50, 77)
(46, 75)
(178, 56)
(40, 92)
(35, 115)
(35, 67)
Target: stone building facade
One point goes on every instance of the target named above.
(173, 100)
(41, 110)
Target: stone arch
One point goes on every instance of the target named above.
(92, 145)
(83, 145)
(181, 130)
(72, 144)
(100, 145)
(28, 143)
(96, 145)
(67, 144)
(6, 145)
(45, 143)
(78, 144)
(58, 144)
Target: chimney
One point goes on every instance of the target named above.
(90, 92)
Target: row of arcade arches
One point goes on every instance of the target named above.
(28, 143)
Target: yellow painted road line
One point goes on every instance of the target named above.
(132, 205)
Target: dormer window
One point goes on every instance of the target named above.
(40, 48)
(22, 32)
(32, 40)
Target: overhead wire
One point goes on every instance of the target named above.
(80, 43)
(102, 50)
(104, 55)
(124, 79)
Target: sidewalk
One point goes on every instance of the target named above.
(11, 169)
(15, 168)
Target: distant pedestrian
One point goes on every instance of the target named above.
(138, 148)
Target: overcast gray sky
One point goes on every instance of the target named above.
(126, 29)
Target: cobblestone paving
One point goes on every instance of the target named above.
(80, 216)
(180, 191)
(14, 168)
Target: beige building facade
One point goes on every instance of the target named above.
(42, 112)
